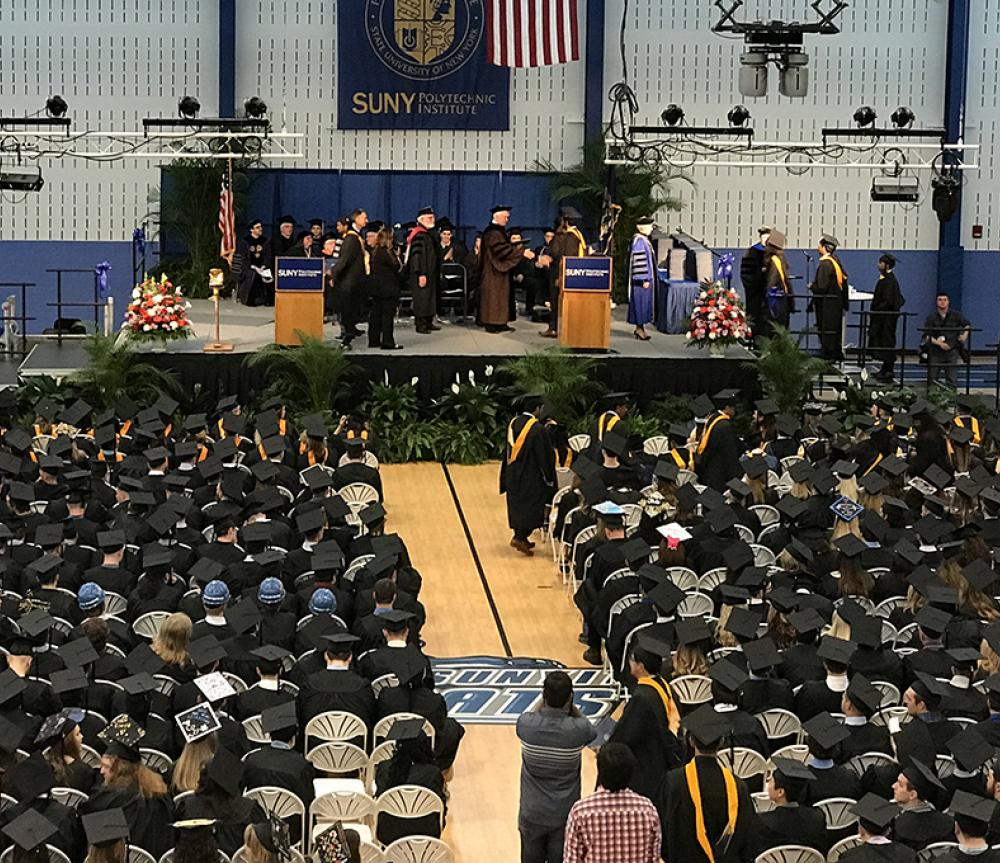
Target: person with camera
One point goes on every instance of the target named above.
(946, 333)
(552, 738)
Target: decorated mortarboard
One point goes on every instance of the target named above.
(30, 829)
(58, 725)
(610, 512)
(692, 630)
(761, 654)
(825, 730)
(837, 650)
(106, 827)
(243, 616)
(706, 725)
(846, 509)
(274, 835)
(876, 811)
(122, 735)
(666, 596)
(279, 718)
(197, 722)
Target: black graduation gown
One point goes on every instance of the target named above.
(829, 302)
(800, 663)
(919, 829)
(431, 705)
(284, 768)
(677, 816)
(391, 828)
(149, 819)
(719, 461)
(882, 327)
(254, 252)
(389, 660)
(231, 817)
(423, 259)
(990, 729)
(337, 690)
(878, 664)
(348, 275)
(69, 837)
(891, 852)
(793, 825)
(866, 738)
(256, 700)
(836, 781)
(964, 702)
(527, 478)
(816, 697)
(357, 472)
(955, 855)
(645, 730)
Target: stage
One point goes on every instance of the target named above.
(663, 364)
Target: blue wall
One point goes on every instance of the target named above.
(27, 261)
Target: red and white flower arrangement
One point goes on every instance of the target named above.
(158, 310)
(718, 317)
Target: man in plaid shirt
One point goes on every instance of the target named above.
(614, 824)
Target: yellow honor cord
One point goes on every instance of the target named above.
(517, 444)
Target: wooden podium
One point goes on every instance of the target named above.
(585, 303)
(298, 299)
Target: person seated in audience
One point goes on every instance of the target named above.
(824, 735)
(859, 703)
(327, 607)
(355, 470)
(875, 820)
(818, 696)
(791, 822)
(747, 731)
(920, 823)
(63, 737)
(398, 654)
(923, 702)
(195, 756)
(195, 841)
(277, 626)
(990, 727)
(337, 687)
(959, 698)
(219, 797)
(215, 597)
(170, 644)
(973, 816)
(412, 763)
(267, 691)
(873, 658)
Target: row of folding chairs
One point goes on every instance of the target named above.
(802, 854)
(338, 726)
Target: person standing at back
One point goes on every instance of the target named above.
(384, 285)
(423, 267)
(552, 738)
(753, 274)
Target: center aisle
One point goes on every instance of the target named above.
(537, 617)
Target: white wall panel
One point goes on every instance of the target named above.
(115, 62)
(287, 53)
(982, 126)
(889, 53)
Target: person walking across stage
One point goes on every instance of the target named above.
(946, 332)
(527, 473)
(552, 739)
(641, 278)
(384, 285)
(717, 457)
(348, 276)
(885, 306)
(778, 301)
(423, 267)
(753, 274)
(498, 257)
(829, 292)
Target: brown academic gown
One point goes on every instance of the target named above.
(498, 257)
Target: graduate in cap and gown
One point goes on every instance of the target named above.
(641, 278)
(497, 257)
(829, 301)
(705, 810)
(919, 823)
(887, 301)
(973, 815)
(527, 473)
(717, 457)
(875, 818)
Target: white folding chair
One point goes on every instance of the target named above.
(70, 797)
(382, 752)
(838, 848)
(658, 444)
(743, 762)
(418, 849)
(384, 681)
(762, 801)
(767, 515)
(335, 725)
(837, 811)
(114, 603)
(620, 604)
(860, 763)
(384, 725)
(692, 689)
(695, 604)
(156, 760)
(139, 855)
(148, 624)
(409, 801)
(335, 758)
(353, 808)
(796, 751)
(762, 555)
(371, 853)
(791, 854)
(683, 578)
(579, 442)
(890, 693)
(780, 723)
(712, 579)
(282, 802)
(255, 730)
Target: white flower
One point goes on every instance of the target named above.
(455, 388)
(489, 371)
(864, 374)
(136, 294)
(711, 335)
(173, 325)
(711, 316)
(146, 327)
(413, 380)
(385, 376)
(690, 335)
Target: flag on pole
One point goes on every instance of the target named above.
(532, 32)
(227, 218)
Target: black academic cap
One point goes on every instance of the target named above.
(279, 718)
(928, 688)
(143, 658)
(932, 620)
(205, 651)
(752, 578)
(30, 829)
(875, 810)
(78, 653)
(615, 444)
(31, 778)
(706, 725)
(316, 478)
(721, 519)
(791, 507)
(243, 616)
(807, 620)
(980, 574)
(691, 630)
(105, 828)
(585, 468)
(866, 631)
(666, 596)
(866, 697)
(726, 397)
(728, 675)
(49, 535)
(784, 599)
(836, 649)
(11, 686)
(738, 488)
(635, 550)
(744, 622)
(730, 594)
(205, 570)
(687, 496)
(340, 639)
(892, 465)
(11, 736)
(823, 481)
(76, 413)
(18, 440)
(35, 623)
(761, 654)
(666, 470)
(923, 779)
(960, 435)
(70, 680)
(139, 684)
(826, 730)
(395, 620)
(702, 406)
(226, 771)
(372, 514)
(111, 540)
(791, 768)
(971, 749)
(971, 806)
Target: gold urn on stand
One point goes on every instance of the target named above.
(216, 279)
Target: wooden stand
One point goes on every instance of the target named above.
(584, 315)
(218, 346)
(297, 310)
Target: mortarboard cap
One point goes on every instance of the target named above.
(197, 722)
(706, 725)
(279, 718)
(922, 778)
(876, 811)
(866, 697)
(761, 654)
(691, 630)
(972, 806)
(971, 749)
(728, 675)
(806, 621)
(825, 730)
(30, 829)
(105, 828)
(226, 771)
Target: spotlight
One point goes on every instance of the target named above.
(189, 107)
(794, 80)
(55, 106)
(255, 107)
(738, 115)
(865, 116)
(19, 181)
(903, 117)
(672, 114)
(753, 74)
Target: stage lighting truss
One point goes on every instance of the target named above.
(153, 144)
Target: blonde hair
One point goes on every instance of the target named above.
(758, 488)
(689, 659)
(855, 580)
(801, 491)
(723, 635)
(842, 528)
(950, 572)
(172, 640)
(972, 598)
(914, 600)
(848, 487)
(990, 663)
(124, 774)
(194, 757)
(253, 850)
(873, 502)
(113, 853)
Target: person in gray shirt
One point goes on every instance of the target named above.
(552, 738)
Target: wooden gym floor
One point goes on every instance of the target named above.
(449, 518)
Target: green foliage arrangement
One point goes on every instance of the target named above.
(786, 372)
(114, 369)
(566, 380)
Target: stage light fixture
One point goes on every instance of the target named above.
(55, 106)
(794, 79)
(753, 74)
(20, 181)
(188, 107)
(865, 116)
(255, 107)
(903, 117)
(672, 114)
(738, 115)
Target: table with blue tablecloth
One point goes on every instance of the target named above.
(674, 301)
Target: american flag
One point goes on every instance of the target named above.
(227, 220)
(532, 32)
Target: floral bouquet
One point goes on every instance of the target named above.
(158, 310)
(718, 318)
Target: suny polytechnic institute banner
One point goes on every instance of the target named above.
(417, 64)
